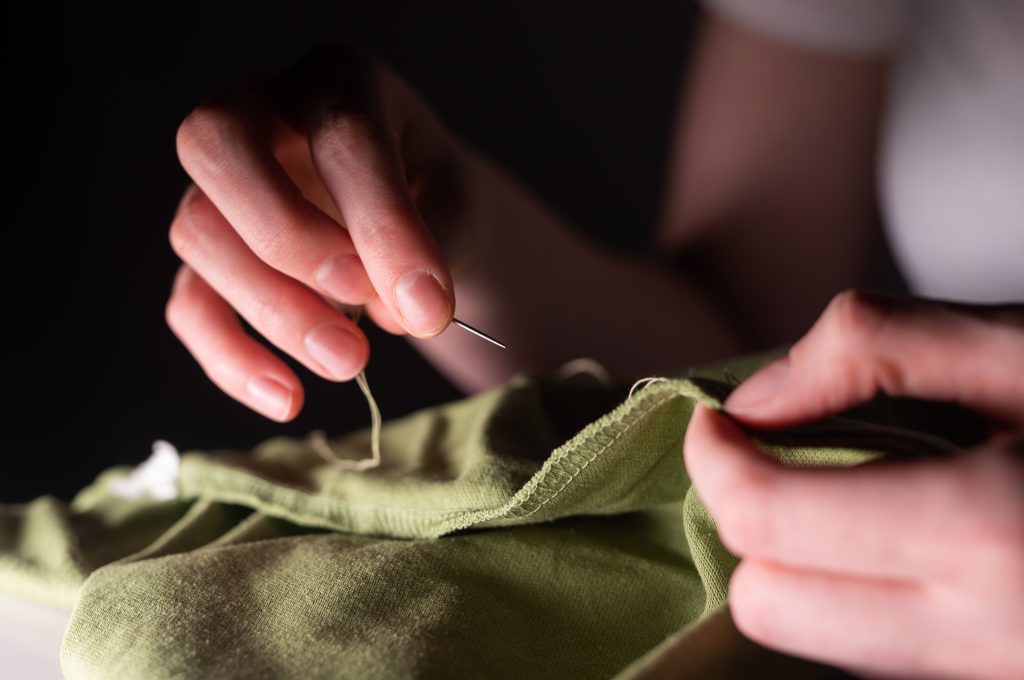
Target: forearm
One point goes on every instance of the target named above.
(552, 296)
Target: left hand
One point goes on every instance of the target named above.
(902, 568)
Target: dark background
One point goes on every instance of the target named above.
(576, 99)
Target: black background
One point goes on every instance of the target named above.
(575, 99)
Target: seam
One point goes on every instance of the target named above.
(591, 458)
(564, 465)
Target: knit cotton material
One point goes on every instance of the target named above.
(546, 529)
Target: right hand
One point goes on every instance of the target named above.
(311, 186)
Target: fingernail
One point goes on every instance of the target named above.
(344, 278)
(273, 398)
(339, 351)
(759, 387)
(423, 303)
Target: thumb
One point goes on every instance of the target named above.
(864, 344)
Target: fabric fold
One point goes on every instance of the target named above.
(545, 529)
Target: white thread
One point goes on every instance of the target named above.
(587, 366)
(644, 382)
(318, 440)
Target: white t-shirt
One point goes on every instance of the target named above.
(952, 149)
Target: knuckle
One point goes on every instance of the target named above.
(856, 317)
(378, 237)
(183, 235)
(269, 312)
(184, 303)
(852, 335)
(347, 134)
(277, 247)
(191, 227)
(204, 133)
(176, 313)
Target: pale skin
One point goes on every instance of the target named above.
(336, 182)
(894, 569)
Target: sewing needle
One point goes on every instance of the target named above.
(466, 327)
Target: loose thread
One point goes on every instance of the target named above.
(586, 366)
(318, 440)
(644, 382)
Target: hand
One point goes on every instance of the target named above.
(310, 186)
(892, 568)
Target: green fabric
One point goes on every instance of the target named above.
(546, 529)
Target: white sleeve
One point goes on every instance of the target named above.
(854, 27)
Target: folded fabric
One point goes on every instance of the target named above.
(545, 529)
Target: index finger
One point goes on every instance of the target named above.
(356, 153)
(864, 344)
